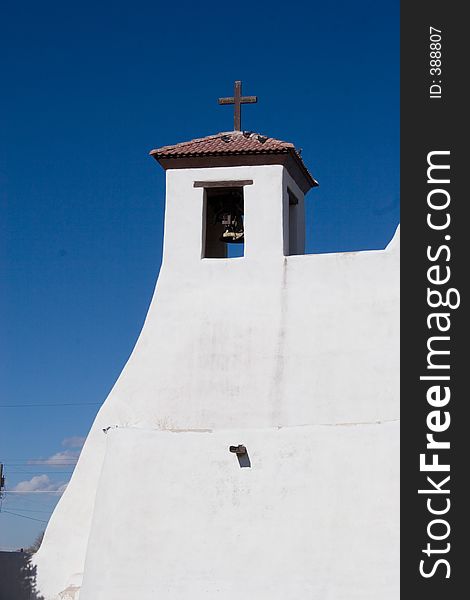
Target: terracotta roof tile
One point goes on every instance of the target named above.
(232, 142)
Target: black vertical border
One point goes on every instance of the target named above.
(428, 125)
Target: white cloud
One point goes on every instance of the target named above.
(39, 483)
(75, 441)
(64, 458)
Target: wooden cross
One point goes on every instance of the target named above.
(237, 100)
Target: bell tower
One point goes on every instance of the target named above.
(234, 194)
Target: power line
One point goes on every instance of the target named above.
(23, 516)
(21, 509)
(40, 461)
(29, 458)
(55, 404)
(43, 461)
(32, 492)
(41, 472)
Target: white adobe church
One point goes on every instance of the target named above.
(250, 447)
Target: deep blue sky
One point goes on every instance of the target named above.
(87, 90)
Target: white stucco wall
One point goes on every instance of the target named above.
(297, 357)
(311, 518)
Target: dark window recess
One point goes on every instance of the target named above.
(293, 223)
(224, 235)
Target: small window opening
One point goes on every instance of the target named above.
(224, 234)
(293, 222)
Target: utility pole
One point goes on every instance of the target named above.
(2, 480)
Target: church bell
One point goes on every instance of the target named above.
(229, 214)
(233, 229)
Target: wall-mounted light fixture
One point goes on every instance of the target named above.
(240, 449)
(242, 455)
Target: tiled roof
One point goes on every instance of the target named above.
(231, 142)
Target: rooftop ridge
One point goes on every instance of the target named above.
(237, 135)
